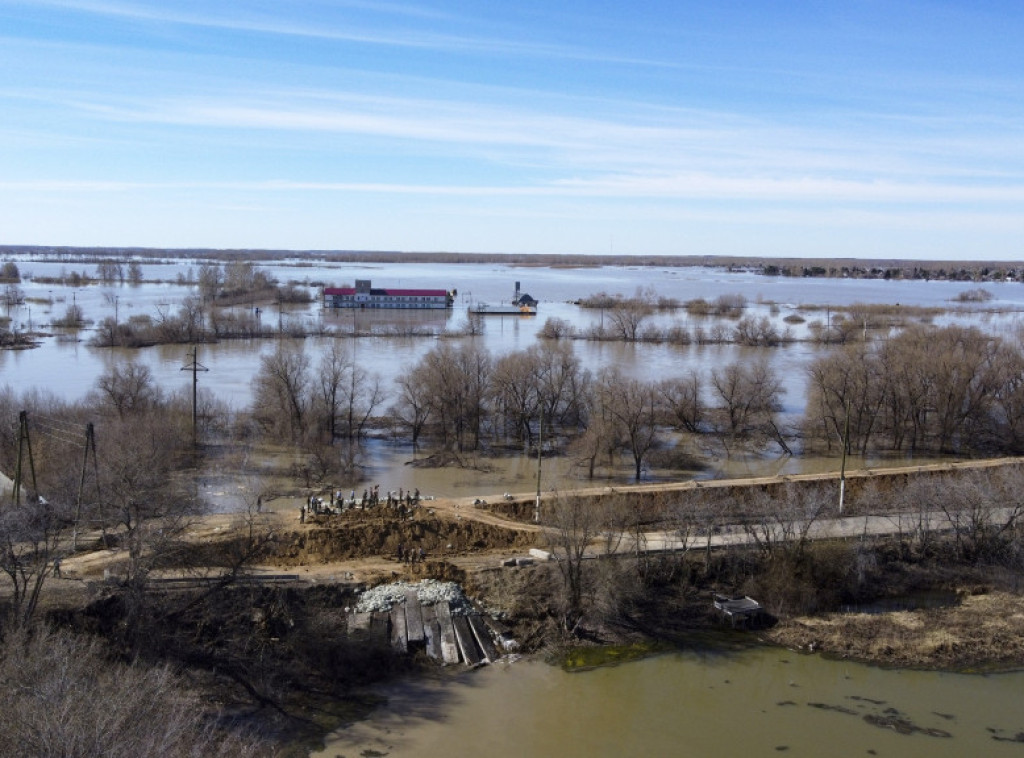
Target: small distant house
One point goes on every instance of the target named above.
(363, 295)
(519, 305)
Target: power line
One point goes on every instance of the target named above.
(56, 421)
(54, 436)
(56, 430)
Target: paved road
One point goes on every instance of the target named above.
(853, 527)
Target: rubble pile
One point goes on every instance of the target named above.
(429, 591)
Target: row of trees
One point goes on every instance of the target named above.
(948, 390)
(628, 326)
(111, 270)
(192, 322)
(459, 398)
(924, 390)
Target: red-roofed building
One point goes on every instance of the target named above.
(365, 296)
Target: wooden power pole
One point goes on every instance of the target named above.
(195, 367)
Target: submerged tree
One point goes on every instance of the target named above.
(747, 398)
(281, 392)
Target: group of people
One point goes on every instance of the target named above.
(410, 554)
(403, 500)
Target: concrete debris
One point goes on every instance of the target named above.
(429, 591)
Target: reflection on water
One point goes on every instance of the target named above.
(754, 702)
(69, 368)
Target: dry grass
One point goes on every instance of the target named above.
(983, 631)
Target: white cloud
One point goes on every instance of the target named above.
(384, 35)
(812, 193)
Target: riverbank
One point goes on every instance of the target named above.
(983, 632)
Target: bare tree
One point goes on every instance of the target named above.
(757, 332)
(281, 391)
(455, 382)
(847, 393)
(346, 394)
(151, 506)
(64, 696)
(982, 510)
(630, 403)
(191, 318)
(600, 437)
(562, 383)
(211, 279)
(13, 295)
(947, 390)
(30, 533)
(243, 276)
(572, 524)
(557, 328)
(628, 315)
(109, 271)
(127, 389)
(9, 271)
(748, 398)
(134, 272)
(780, 524)
(514, 392)
(680, 402)
(412, 406)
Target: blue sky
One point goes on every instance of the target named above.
(814, 129)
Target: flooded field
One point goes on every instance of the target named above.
(760, 701)
(66, 365)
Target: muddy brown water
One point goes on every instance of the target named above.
(757, 702)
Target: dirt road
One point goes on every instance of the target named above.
(282, 516)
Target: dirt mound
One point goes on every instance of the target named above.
(517, 510)
(339, 540)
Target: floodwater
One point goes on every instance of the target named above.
(756, 702)
(67, 366)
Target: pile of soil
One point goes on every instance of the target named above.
(517, 510)
(360, 537)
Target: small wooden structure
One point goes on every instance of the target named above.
(445, 636)
(449, 647)
(414, 619)
(740, 610)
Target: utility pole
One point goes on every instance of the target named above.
(195, 367)
(540, 449)
(24, 445)
(842, 469)
(90, 444)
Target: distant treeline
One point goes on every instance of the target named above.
(795, 267)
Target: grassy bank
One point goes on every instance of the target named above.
(981, 633)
